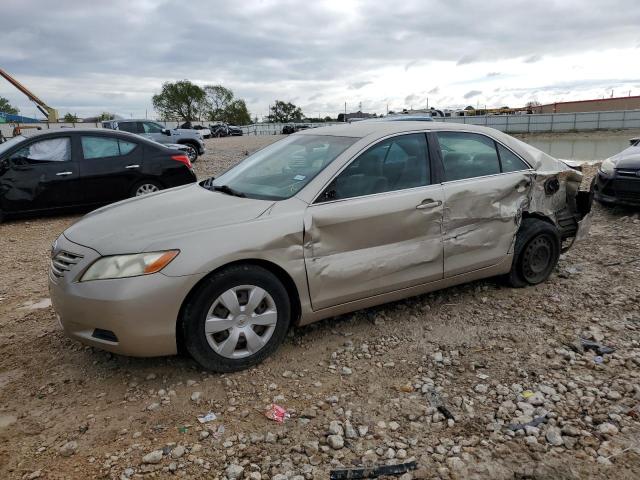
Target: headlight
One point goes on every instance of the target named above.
(121, 266)
(608, 166)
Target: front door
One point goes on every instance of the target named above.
(153, 131)
(109, 168)
(40, 176)
(485, 186)
(376, 227)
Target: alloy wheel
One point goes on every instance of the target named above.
(146, 188)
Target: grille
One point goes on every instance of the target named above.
(63, 262)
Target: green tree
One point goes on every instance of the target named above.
(218, 100)
(236, 113)
(6, 107)
(70, 118)
(181, 100)
(283, 112)
(106, 116)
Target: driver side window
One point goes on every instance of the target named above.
(150, 127)
(49, 150)
(396, 163)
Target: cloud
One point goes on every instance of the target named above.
(85, 54)
(434, 91)
(533, 59)
(358, 85)
(493, 74)
(471, 94)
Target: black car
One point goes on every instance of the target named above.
(225, 130)
(293, 128)
(84, 167)
(618, 179)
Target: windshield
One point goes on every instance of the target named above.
(283, 168)
(10, 143)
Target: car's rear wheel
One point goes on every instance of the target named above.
(236, 319)
(536, 253)
(145, 187)
(191, 152)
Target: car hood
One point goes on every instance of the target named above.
(160, 219)
(628, 158)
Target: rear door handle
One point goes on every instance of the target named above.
(63, 174)
(429, 203)
(132, 166)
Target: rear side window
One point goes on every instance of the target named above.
(50, 150)
(467, 155)
(510, 161)
(131, 127)
(101, 147)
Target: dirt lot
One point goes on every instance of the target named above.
(359, 388)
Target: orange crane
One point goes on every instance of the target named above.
(47, 111)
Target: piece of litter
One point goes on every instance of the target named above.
(596, 347)
(372, 472)
(527, 394)
(276, 413)
(598, 359)
(209, 417)
(219, 432)
(183, 430)
(533, 423)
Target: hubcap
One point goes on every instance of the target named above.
(241, 321)
(146, 188)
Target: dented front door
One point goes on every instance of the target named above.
(361, 247)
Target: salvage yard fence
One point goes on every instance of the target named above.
(534, 123)
(554, 122)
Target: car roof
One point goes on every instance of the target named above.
(87, 131)
(371, 131)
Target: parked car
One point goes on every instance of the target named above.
(64, 168)
(225, 130)
(156, 131)
(321, 223)
(204, 131)
(618, 178)
(294, 127)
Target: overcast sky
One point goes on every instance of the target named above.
(88, 57)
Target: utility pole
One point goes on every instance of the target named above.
(345, 111)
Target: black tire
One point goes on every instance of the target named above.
(150, 185)
(536, 253)
(198, 306)
(192, 152)
(1, 216)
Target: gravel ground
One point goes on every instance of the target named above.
(443, 379)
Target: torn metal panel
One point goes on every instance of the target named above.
(372, 245)
(481, 217)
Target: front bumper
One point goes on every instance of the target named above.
(134, 316)
(618, 189)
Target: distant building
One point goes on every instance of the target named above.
(596, 105)
(10, 118)
(345, 118)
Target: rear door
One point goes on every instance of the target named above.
(41, 175)
(485, 186)
(376, 227)
(109, 167)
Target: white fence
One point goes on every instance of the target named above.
(554, 122)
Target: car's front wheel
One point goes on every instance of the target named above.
(236, 319)
(536, 253)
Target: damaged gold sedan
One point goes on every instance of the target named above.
(324, 222)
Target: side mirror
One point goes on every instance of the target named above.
(166, 131)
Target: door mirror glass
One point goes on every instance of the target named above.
(166, 131)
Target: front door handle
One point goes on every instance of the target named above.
(63, 174)
(132, 166)
(429, 203)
